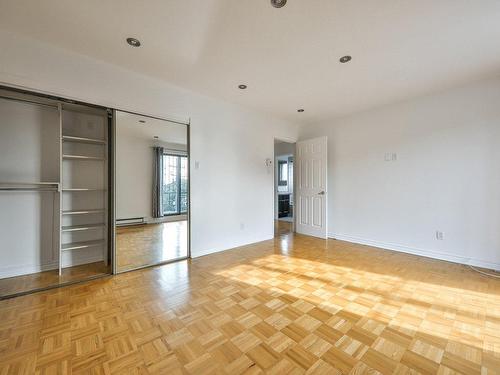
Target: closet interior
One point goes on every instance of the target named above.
(55, 183)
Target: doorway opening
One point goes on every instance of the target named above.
(284, 156)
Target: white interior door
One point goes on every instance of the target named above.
(311, 196)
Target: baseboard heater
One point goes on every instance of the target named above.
(130, 221)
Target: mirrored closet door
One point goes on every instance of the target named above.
(54, 192)
(152, 191)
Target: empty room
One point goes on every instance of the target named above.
(250, 187)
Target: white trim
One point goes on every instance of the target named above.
(246, 243)
(166, 219)
(416, 251)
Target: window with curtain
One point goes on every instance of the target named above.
(174, 191)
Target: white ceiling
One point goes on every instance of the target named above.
(288, 57)
(166, 131)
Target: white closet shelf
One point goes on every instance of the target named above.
(82, 189)
(82, 157)
(81, 245)
(83, 212)
(75, 228)
(39, 185)
(29, 183)
(95, 141)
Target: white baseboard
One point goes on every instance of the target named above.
(166, 219)
(197, 254)
(416, 251)
(12, 271)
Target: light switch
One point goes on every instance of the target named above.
(196, 164)
(391, 156)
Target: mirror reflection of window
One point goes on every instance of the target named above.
(174, 192)
(283, 173)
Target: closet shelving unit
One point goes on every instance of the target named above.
(55, 190)
(84, 171)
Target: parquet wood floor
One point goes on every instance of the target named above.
(282, 227)
(292, 305)
(25, 283)
(143, 245)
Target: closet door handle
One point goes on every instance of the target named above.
(321, 193)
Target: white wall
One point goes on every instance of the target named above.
(231, 192)
(446, 176)
(134, 176)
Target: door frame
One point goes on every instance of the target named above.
(275, 195)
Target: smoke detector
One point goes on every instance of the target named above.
(278, 3)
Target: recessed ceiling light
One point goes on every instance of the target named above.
(133, 42)
(142, 121)
(242, 87)
(300, 110)
(278, 3)
(345, 59)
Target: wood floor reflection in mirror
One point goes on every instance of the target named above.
(142, 245)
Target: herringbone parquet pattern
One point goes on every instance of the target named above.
(294, 305)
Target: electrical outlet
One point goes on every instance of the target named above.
(242, 226)
(439, 235)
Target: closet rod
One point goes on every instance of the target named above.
(28, 101)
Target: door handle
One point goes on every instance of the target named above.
(321, 193)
